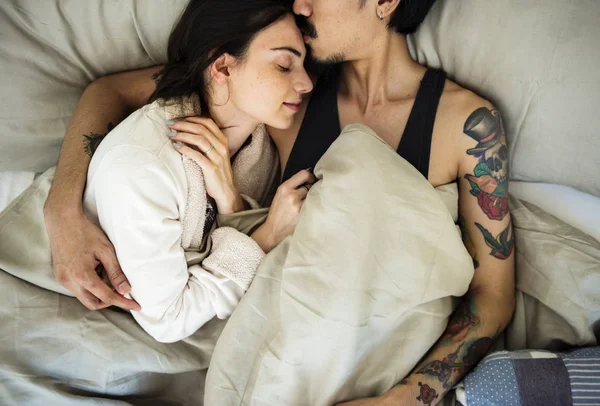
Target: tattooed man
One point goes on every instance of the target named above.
(445, 131)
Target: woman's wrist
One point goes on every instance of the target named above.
(264, 238)
(232, 204)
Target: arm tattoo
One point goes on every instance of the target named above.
(489, 181)
(463, 321)
(501, 246)
(427, 395)
(460, 361)
(157, 76)
(92, 140)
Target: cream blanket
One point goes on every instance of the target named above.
(343, 308)
(348, 305)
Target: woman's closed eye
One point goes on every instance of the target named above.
(283, 68)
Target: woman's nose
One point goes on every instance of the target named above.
(304, 84)
(303, 7)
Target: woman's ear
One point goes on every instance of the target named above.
(220, 69)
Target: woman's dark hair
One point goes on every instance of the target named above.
(206, 30)
(409, 15)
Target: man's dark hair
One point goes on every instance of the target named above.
(408, 15)
(206, 30)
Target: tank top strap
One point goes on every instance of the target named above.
(320, 127)
(415, 144)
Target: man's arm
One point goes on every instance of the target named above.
(485, 222)
(78, 246)
(488, 306)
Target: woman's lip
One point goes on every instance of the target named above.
(306, 38)
(294, 107)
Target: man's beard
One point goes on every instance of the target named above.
(321, 67)
(318, 64)
(331, 59)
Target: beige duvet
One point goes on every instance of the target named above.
(366, 284)
(344, 308)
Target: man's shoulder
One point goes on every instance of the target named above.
(457, 106)
(459, 110)
(462, 101)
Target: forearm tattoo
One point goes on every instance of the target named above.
(468, 353)
(91, 141)
(427, 395)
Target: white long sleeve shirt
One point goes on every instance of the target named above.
(137, 192)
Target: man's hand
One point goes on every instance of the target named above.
(79, 247)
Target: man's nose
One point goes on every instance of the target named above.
(303, 7)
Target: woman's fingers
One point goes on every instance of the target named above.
(199, 141)
(303, 190)
(209, 124)
(198, 157)
(220, 144)
(299, 179)
(301, 183)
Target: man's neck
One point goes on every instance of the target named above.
(386, 72)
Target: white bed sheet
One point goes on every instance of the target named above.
(578, 209)
(12, 184)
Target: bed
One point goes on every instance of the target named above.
(537, 62)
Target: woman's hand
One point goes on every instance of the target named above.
(285, 210)
(201, 139)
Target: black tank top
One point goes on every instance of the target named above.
(321, 125)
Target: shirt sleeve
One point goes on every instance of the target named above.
(138, 209)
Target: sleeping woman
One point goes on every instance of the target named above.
(156, 189)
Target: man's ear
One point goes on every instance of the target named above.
(387, 7)
(220, 69)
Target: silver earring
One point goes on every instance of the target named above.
(381, 15)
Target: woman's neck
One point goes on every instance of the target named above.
(235, 125)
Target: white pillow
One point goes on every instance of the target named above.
(575, 208)
(537, 61)
(51, 49)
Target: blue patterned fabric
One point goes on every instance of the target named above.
(583, 367)
(534, 378)
(498, 370)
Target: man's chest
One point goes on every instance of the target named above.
(391, 124)
(387, 122)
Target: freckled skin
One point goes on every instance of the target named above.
(258, 86)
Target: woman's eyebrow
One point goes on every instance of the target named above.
(289, 49)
